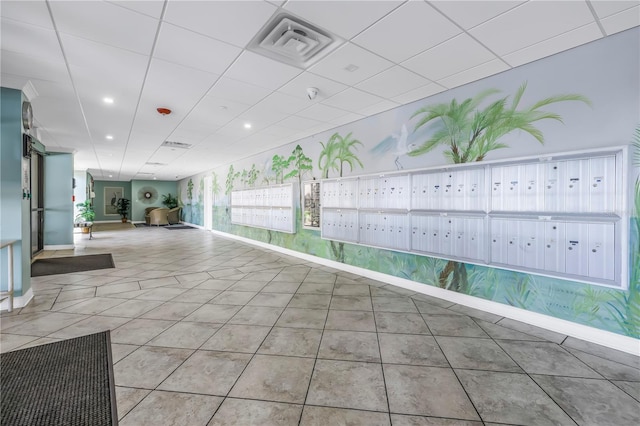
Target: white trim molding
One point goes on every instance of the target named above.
(18, 301)
(579, 331)
(59, 247)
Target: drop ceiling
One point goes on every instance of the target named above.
(192, 57)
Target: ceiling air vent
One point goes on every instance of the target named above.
(291, 40)
(181, 145)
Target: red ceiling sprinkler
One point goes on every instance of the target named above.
(164, 111)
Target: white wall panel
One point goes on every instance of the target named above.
(557, 215)
(577, 248)
(601, 250)
(554, 247)
(602, 184)
(576, 181)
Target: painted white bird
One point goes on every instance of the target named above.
(398, 145)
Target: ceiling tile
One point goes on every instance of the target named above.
(238, 91)
(378, 108)
(30, 40)
(31, 67)
(234, 22)
(215, 111)
(178, 45)
(392, 82)
(298, 86)
(261, 117)
(347, 118)
(284, 103)
(554, 45)
(531, 23)
(106, 23)
(606, 8)
(333, 66)
(475, 73)
(621, 21)
(148, 7)
(322, 112)
(407, 31)
(106, 70)
(261, 71)
(419, 93)
(438, 62)
(279, 131)
(31, 12)
(470, 13)
(345, 18)
(352, 100)
(298, 123)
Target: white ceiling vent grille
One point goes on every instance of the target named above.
(291, 40)
(171, 144)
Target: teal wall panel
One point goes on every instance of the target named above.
(58, 202)
(108, 197)
(14, 209)
(157, 187)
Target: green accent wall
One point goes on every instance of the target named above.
(98, 201)
(160, 186)
(14, 209)
(58, 202)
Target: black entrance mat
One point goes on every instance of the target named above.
(62, 383)
(170, 227)
(65, 265)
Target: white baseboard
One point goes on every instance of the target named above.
(18, 302)
(59, 247)
(579, 331)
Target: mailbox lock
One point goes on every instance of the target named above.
(548, 245)
(594, 250)
(570, 248)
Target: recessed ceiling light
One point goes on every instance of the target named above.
(110, 175)
(247, 125)
(107, 100)
(351, 67)
(154, 178)
(109, 137)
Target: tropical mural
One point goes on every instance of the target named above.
(545, 107)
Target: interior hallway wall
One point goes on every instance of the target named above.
(605, 72)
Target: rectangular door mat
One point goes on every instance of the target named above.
(62, 383)
(65, 265)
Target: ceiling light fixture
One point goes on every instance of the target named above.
(247, 125)
(163, 111)
(107, 100)
(110, 175)
(109, 137)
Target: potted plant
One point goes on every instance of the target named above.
(172, 204)
(123, 208)
(85, 215)
(170, 201)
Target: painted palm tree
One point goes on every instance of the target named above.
(329, 155)
(335, 154)
(626, 308)
(469, 133)
(215, 186)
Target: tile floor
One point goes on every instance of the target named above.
(209, 331)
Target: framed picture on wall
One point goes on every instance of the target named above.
(111, 197)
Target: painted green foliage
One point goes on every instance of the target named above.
(337, 152)
(279, 164)
(232, 175)
(469, 137)
(469, 132)
(625, 308)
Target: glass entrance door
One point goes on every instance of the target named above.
(37, 203)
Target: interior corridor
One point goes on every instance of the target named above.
(210, 331)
